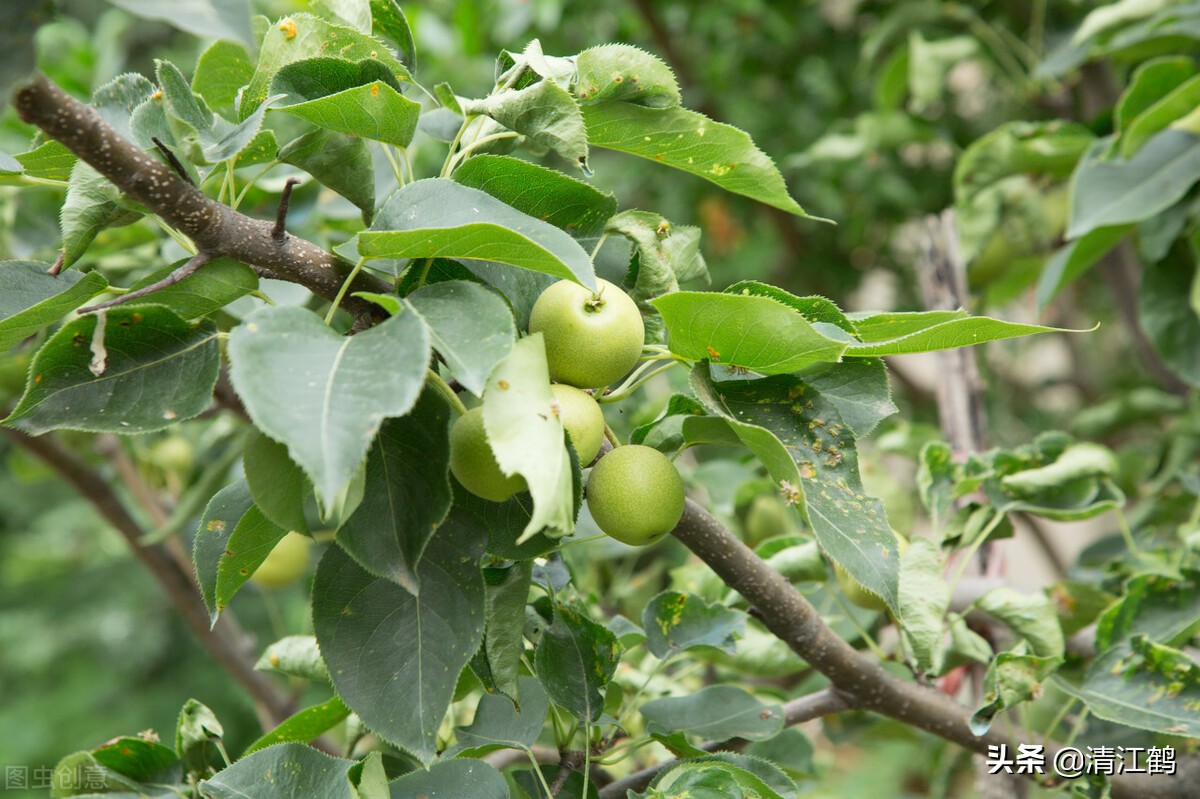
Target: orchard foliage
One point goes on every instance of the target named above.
(451, 620)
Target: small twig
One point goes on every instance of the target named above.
(172, 160)
(59, 262)
(187, 270)
(278, 232)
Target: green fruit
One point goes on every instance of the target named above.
(285, 564)
(635, 495)
(858, 594)
(474, 464)
(592, 340)
(766, 518)
(582, 419)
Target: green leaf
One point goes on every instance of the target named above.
(693, 143)
(389, 19)
(947, 334)
(665, 255)
(435, 218)
(851, 527)
(19, 22)
(218, 19)
(92, 204)
(752, 774)
(136, 758)
(624, 72)
(546, 194)
(499, 724)
(1142, 684)
(196, 732)
(295, 656)
(357, 99)
(223, 69)
(875, 327)
(342, 163)
(527, 436)
(498, 661)
(752, 332)
(130, 369)
(1163, 609)
(575, 660)
(859, 390)
(322, 394)
(278, 486)
(249, 545)
(545, 113)
(924, 600)
(1118, 192)
(395, 657)
(303, 726)
(406, 496)
(675, 622)
(1177, 104)
(1012, 678)
(503, 523)
(221, 517)
(1030, 616)
(210, 288)
(452, 779)
(31, 299)
(718, 712)
(290, 769)
(50, 160)
(1166, 313)
(470, 326)
(1074, 259)
(302, 36)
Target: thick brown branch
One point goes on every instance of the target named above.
(862, 680)
(223, 641)
(215, 228)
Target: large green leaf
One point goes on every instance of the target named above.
(31, 299)
(322, 394)
(471, 327)
(498, 661)
(527, 436)
(1118, 192)
(452, 779)
(395, 657)
(302, 36)
(718, 712)
(1030, 616)
(924, 600)
(693, 143)
(407, 493)
(503, 524)
(436, 218)
(295, 656)
(575, 660)
(943, 333)
(1169, 318)
(388, 18)
(282, 770)
(546, 194)
(1163, 609)
(130, 369)
(499, 724)
(303, 726)
(851, 527)
(221, 72)
(1142, 684)
(219, 19)
(357, 99)
(278, 485)
(623, 72)
(743, 330)
(1012, 678)
(1074, 258)
(91, 205)
(674, 621)
(859, 390)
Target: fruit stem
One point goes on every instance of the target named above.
(337, 301)
(634, 381)
(611, 436)
(599, 243)
(442, 387)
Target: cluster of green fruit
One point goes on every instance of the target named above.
(592, 340)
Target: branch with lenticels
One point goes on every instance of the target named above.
(216, 229)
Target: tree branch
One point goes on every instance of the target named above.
(224, 641)
(862, 681)
(215, 228)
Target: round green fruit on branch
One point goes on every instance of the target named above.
(582, 419)
(592, 340)
(860, 594)
(285, 564)
(635, 495)
(473, 463)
